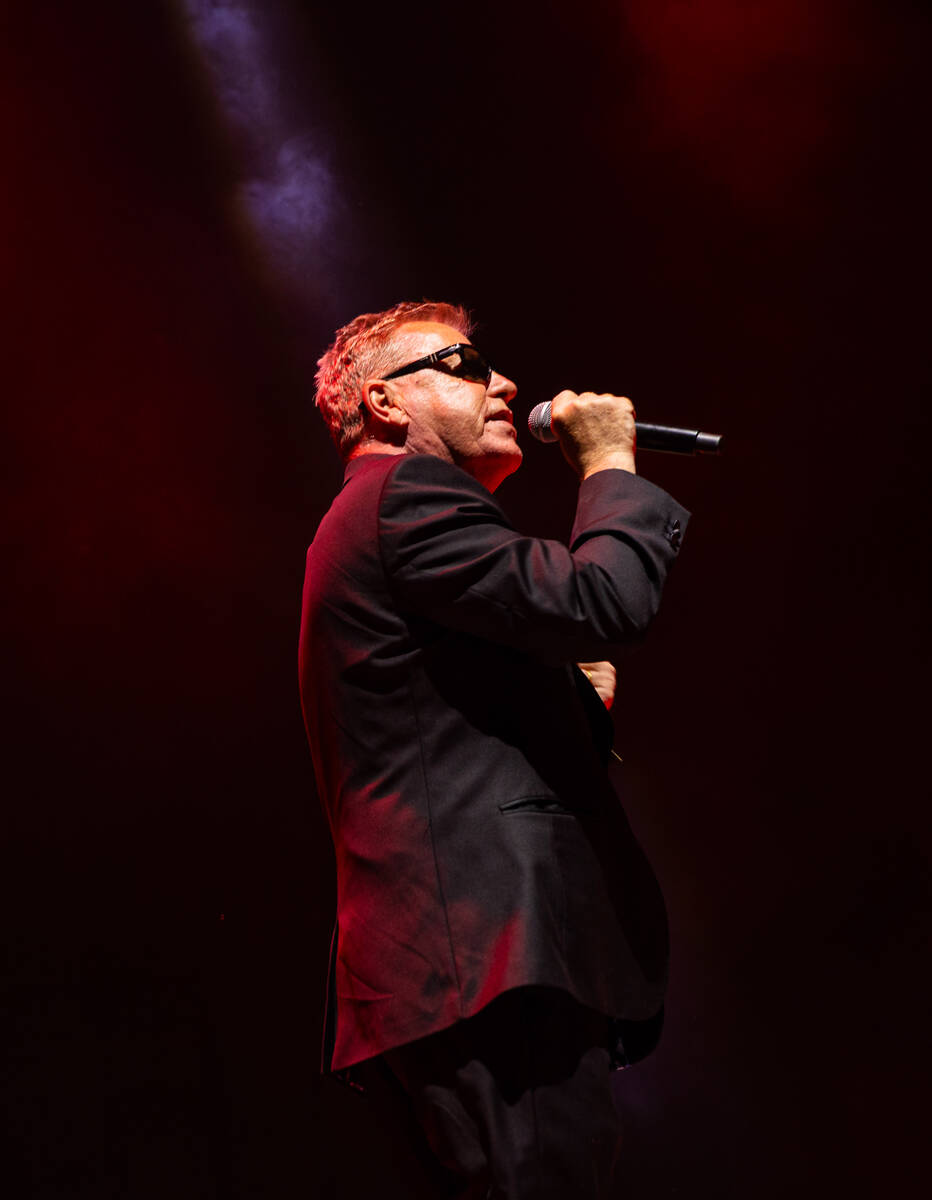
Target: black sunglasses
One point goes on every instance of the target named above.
(472, 365)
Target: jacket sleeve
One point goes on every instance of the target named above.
(451, 555)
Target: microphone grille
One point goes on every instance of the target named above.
(538, 422)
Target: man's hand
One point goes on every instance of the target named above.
(596, 432)
(602, 677)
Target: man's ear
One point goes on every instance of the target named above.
(386, 415)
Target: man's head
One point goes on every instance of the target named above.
(449, 407)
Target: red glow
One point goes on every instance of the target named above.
(750, 90)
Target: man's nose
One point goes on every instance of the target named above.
(502, 386)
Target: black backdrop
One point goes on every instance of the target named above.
(718, 209)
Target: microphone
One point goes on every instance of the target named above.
(666, 438)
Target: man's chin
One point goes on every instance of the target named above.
(497, 465)
(504, 444)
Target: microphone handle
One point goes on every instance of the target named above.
(665, 438)
(670, 440)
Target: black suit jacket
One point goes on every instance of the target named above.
(479, 845)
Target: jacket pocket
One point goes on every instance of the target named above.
(537, 804)
(351, 987)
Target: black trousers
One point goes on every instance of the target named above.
(515, 1103)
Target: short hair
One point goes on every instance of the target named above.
(362, 350)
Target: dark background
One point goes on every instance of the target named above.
(719, 209)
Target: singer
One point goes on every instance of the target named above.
(501, 940)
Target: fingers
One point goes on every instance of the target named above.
(603, 678)
(596, 431)
(568, 396)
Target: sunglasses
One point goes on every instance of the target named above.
(472, 365)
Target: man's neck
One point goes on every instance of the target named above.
(374, 446)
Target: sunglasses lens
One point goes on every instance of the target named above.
(473, 366)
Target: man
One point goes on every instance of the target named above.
(501, 940)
